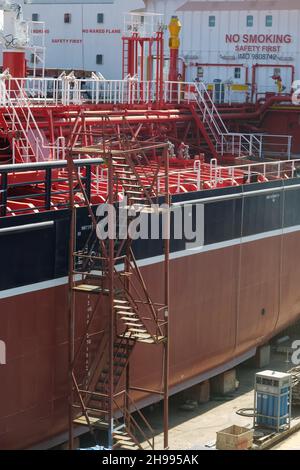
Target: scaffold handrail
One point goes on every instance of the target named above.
(144, 24)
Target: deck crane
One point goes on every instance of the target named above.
(14, 38)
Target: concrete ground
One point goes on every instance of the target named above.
(197, 429)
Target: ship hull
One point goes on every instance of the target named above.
(227, 297)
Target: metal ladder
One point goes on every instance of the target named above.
(137, 319)
(20, 122)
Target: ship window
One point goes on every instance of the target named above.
(32, 58)
(277, 72)
(35, 17)
(237, 72)
(269, 21)
(67, 18)
(211, 21)
(249, 21)
(100, 18)
(99, 59)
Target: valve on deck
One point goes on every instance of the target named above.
(174, 44)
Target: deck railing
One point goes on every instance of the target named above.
(49, 182)
(46, 184)
(68, 90)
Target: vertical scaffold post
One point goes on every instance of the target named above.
(71, 296)
(167, 301)
(111, 263)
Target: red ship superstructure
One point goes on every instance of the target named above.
(95, 330)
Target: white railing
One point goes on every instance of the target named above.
(36, 31)
(214, 175)
(30, 143)
(240, 145)
(225, 141)
(67, 90)
(229, 93)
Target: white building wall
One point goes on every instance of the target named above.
(201, 44)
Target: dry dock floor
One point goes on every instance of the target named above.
(196, 429)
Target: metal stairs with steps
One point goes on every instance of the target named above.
(28, 142)
(219, 141)
(135, 327)
(126, 174)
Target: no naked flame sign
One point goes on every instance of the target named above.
(258, 46)
(2, 353)
(259, 38)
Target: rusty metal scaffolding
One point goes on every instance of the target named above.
(111, 310)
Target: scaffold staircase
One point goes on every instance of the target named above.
(135, 190)
(219, 141)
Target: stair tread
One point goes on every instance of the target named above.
(88, 288)
(94, 404)
(128, 185)
(142, 337)
(134, 324)
(131, 335)
(123, 306)
(117, 301)
(146, 340)
(121, 355)
(127, 447)
(133, 178)
(129, 319)
(120, 364)
(126, 442)
(157, 339)
(122, 437)
(93, 420)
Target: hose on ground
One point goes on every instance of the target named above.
(246, 412)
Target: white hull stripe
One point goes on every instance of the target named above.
(156, 259)
(218, 246)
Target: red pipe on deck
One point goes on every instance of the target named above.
(173, 72)
(216, 65)
(256, 66)
(174, 43)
